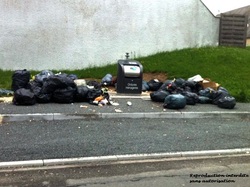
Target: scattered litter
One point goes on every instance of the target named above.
(90, 87)
(80, 82)
(99, 98)
(114, 103)
(129, 103)
(95, 102)
(118, 110)
(83, 106)
(6, 99)
(104, 102)
(207, 83)
(196, 78)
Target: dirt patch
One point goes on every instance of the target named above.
(160, 76)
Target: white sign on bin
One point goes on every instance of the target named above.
(131, 71)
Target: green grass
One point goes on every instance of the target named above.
(5, 79)
(230, 67)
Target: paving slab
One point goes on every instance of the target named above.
(138, 105)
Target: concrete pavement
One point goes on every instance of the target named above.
(223, 170)
(142, 107)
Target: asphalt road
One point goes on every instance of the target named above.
(233, 171)
(84, 138)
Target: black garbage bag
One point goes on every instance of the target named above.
(81, 93)
(191, 98)
(159, 95)
(114, 81)
(43, 75)
(57, 82)
(180, 82)
(227, 102)
(43, 97)
(36, 88)
(204, 100)
(106, 95)
(166, 85)
(34, 83)
(187, 89)
(208, 92)
(175, 101)
(222, 89)
(95, 84)
(107, 80)
(190, 84)
(193, 86)
(93, 93)
(72, 76)
(173, 88)
(64, 95)
(154, 84)
(219, 94)
(177, 90)
(20, 79)
(24, 96)
(145, 86)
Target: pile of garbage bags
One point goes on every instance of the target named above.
(177, 93)
(59, 88)
(63, 88)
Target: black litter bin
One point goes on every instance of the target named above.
(129, 77)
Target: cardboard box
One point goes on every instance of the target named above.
(208, 83)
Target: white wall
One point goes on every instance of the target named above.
(74, 34)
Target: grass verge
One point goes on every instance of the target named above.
(228, 66)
